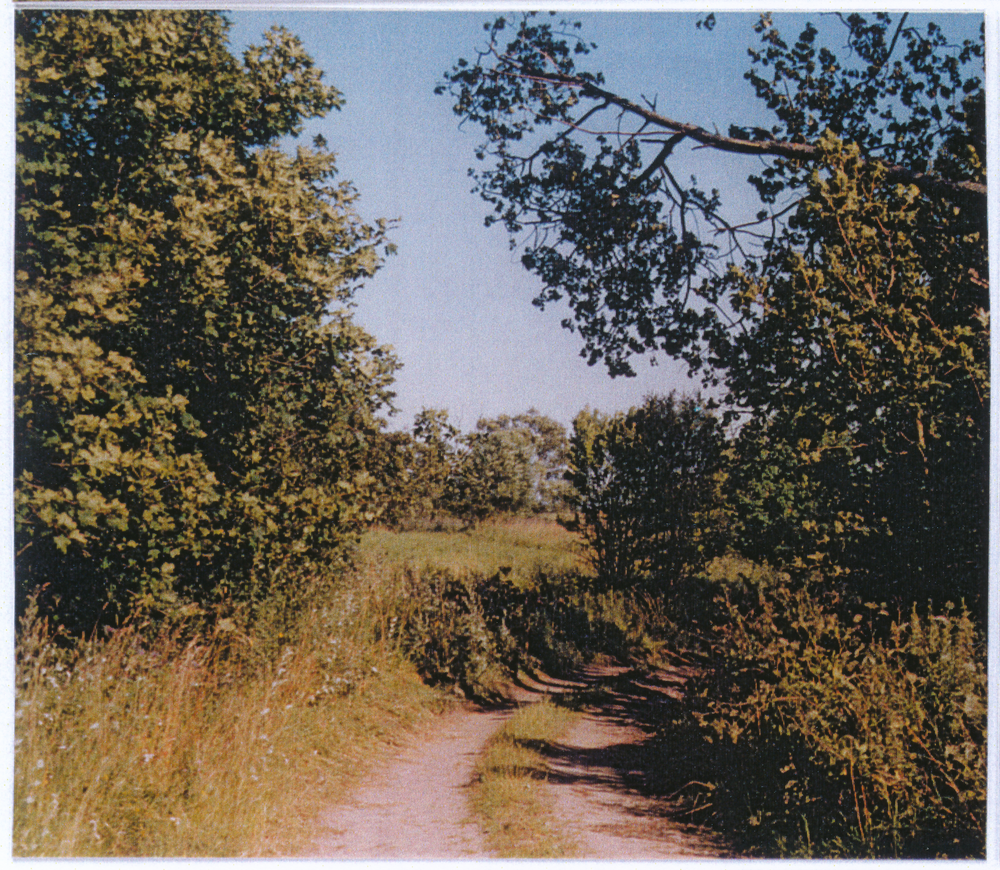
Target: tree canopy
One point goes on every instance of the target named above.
(192, 396)
(848, 321)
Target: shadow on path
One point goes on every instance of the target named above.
(615, 777)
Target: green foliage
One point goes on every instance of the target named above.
(192, 399)
(849, 321)
(509, 466)
(646, 487)
(473, 631)
(444, 631)
(868, 367)
(494, 475)
(841, 734)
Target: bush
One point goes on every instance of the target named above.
(444, 631)
(473, 631)
(873, 727)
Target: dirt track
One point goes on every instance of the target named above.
(416, 806)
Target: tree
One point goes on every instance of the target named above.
(495, 474)
(435, 457)
(849, 320)
(646, 488)
(510, 465)
(193, 400)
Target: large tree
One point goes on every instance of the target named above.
(192, 396)
(849, 319)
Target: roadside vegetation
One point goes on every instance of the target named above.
(234, 583)
(177, 740)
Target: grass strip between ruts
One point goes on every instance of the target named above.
(510, 798)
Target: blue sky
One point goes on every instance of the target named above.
(455, 302)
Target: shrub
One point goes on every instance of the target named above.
(472, 631)
(444, 631)
(873, 727)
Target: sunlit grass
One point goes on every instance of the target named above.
(510, 797)
(200, 747)
(525, 545)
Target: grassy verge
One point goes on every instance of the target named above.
(195, 745)
(509, 798)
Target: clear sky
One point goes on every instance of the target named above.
(455, 302)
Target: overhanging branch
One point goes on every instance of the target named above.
(928, 182)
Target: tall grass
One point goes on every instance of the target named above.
(224, 744)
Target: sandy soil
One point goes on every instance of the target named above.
(416, 806)
(606, 816)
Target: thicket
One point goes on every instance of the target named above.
(646, 489)
(474, 631)
(835, 727)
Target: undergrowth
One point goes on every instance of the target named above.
(836, 729)
(474, 631)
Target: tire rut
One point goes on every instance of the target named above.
(416, 804)
(416, 807)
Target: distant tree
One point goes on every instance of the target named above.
(193, 401)
(848, 321)
(436, 445)
(495, 474)
(511, 465)
(646, 488)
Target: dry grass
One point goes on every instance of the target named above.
(200, 746)
(510, 798)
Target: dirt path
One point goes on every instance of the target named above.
(606, 816)
(417, 806)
